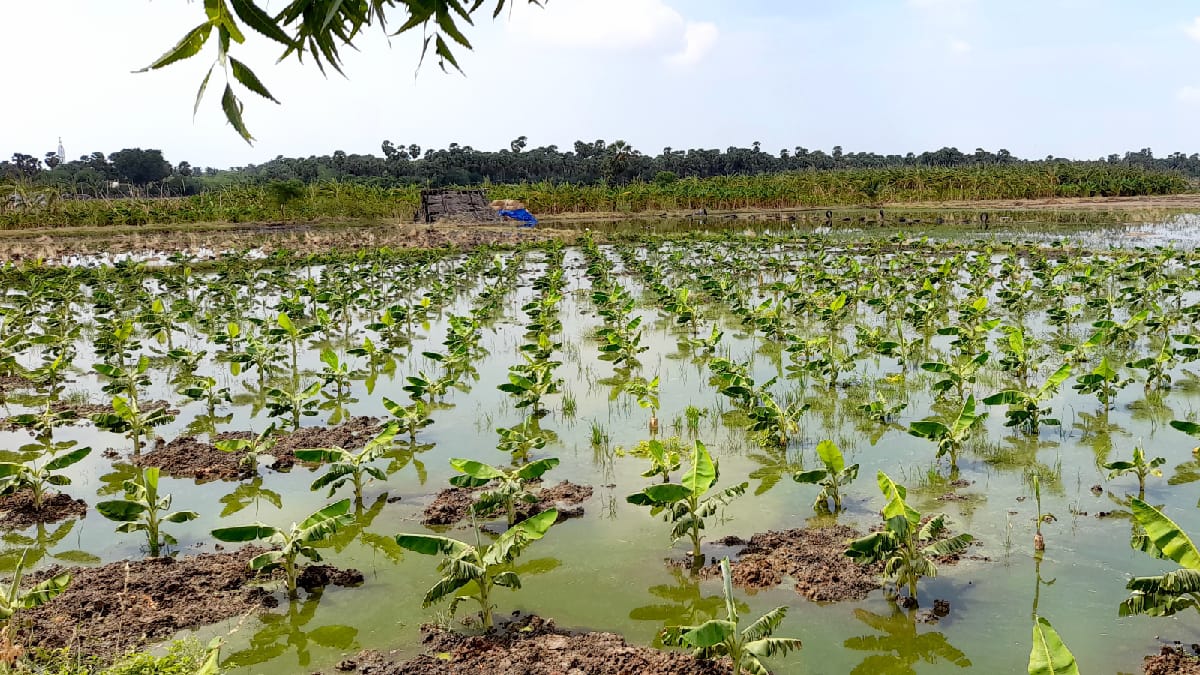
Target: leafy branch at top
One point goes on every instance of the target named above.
(319, 29)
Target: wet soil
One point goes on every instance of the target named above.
(124, 605)
(18, 511)
(532, 646)
(206, 240)
(941, 610)
(190, 457)
(315, 577)
(12, 381)
(814, 558)
(1172, 661)
(453, 504)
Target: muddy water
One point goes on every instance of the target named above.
(605, 571)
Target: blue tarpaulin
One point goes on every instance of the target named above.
(526, 218)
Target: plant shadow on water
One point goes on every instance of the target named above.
(288, 632)
(900, 645)
(40, 543)
(681, 603)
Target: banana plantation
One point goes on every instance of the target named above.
(740, 452)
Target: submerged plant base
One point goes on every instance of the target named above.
(18, 511)
(109, 610)
(814, 557)
(532, 646)
(453, 505)
(1172, 661)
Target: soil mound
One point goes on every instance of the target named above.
(18, 511)
(814, 558)
(453, 505)
(125, 605)
(189, 457)
(532, 646)
(1172, 661)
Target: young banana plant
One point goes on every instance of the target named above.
(685, 504)
(345, 466)
(1025, 408)
(483, 566)
(1139, 466)
(1049, 655)
(508, 488)
(832, 478)
(1172, 592)
(289, 545)
(250, 448)
(1104, 382)
(412, 417)
(38, 478)
(144, 510)
(14, 598)
(906, 548)
(745, 647)
(950, 437)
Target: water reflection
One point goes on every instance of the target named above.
(39, 545)
(286, 633)
(901, 645)
(682, 604)
(248, 493)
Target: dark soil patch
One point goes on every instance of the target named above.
(189, 457)
(1172, 661)
(10, 382)
(448, 507)
(814, 558)
(532, 646)
(566, 497)
(453, 504)
(941, 610)
(19, 512)
(125, 605)
(316, 577)
(351, 435)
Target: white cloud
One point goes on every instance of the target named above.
(617, 25)
(698, 39)
(1193, 29)
(1188, 94)
(960, 46)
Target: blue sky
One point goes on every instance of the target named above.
(1065, 77)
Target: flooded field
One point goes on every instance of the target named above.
(1025, 379)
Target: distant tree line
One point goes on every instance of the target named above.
(148, 173)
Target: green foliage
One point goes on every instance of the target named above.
(144, 510)
(685, 504)
(13, 599)
(289, 545)
(317, 29)
(1138, 466)
(1025, 407)
(38, 477)
(950, 435)
(664, 456)
(345, 466)
(905, 546)
(508, 488)
(1172, 592)
(479, 568)
(745, 647)
(831, 478)
(1049, 656)
(250, 448)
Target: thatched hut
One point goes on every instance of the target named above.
(456, 205)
